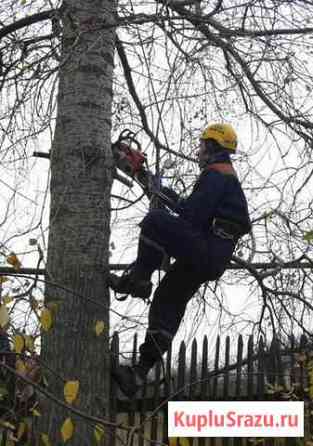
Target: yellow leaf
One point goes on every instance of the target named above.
(53, 307)
(99, 432)
(46, 319)
(45, 440)
(21, 430)
(23, 2)
(29, 343)
(4, 316)
(19, 343)
(13, 260)
(99, 327)
(184, 442)
(308, 236)
(70, 391)
(36, 413)
(7, 299)
(20, 367)
(3, 279)
(67, 429)
(174, 441)
(7, 425)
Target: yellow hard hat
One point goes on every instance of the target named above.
(224, 134)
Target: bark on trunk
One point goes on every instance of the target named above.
(81, 179)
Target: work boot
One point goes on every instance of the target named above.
(129, 379)
(130, 283)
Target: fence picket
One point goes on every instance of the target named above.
(237, 441)
(239, 366)
(216, 365)
(303, 342)
(193, 386)
(193, 371)
(142, 413)
(181, 391)
(250, 370)
(261, 366)
(280, 368)
(156, 401)
(226, 441)
(292, 374)
(213, 441)
(204, 384)
(226, 366)
(168, 391)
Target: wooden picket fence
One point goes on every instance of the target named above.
(254, 372)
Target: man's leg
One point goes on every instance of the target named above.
(167, 311)
(162, 233)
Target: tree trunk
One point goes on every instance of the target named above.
(81, 179)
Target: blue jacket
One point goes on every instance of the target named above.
(215, 195)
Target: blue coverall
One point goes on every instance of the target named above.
(199, 254)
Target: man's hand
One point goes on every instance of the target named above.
(170, 193)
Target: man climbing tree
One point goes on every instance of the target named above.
(201, 237)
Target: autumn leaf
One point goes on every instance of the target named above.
(45, 440)
(99, 327)
(13, 260)
(70, 391)
(29, 343)
(7, 425)
(19, 343)
(308, 236)
(53, 307)
(7, 299)
(20, 367)
(179, 441)
(21, 430)
(67, 429)
(3, 279)
(4, 316)
(35, 413)
(46, 319)
(99, 432)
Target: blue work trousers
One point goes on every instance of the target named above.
(199, 257)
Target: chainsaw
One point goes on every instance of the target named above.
(130, 160)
